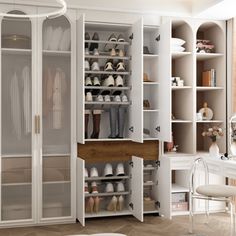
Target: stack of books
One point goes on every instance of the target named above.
(209, 78)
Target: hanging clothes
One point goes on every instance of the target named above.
(59, 88)
(15, 106)
(26, 99)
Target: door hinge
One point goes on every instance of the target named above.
(158, 38)
(131, 37)
(131, 129)
(157, 203)
(131, 164)
(158, 129)
(131, 205)
(158, 163)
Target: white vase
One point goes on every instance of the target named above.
(233, 147)
(214, 150)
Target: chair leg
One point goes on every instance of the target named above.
(207, 211)
(190, 213)
(232, 218)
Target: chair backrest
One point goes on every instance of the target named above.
(205, 170)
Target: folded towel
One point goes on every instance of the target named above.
(177, 42)
(177, 49)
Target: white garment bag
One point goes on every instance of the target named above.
(15, 106)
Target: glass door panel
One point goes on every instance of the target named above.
(56, 119)
(16, 119)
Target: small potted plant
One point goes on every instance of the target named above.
(213, 133)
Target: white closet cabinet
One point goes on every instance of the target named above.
(57, 143)
(38, 140)
(18, 139)
(132, 194)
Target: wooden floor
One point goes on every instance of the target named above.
(152, 226)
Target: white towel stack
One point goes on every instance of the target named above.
(177, 45)
(56, 39)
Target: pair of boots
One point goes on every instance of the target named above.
(117, 121)
(96, 123)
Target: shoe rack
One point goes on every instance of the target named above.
(87, 203)
(151, 108)
(126, 110)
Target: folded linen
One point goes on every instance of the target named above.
(177, 42)
(177, 49)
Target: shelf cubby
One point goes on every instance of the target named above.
(151, 94)
(150, 123)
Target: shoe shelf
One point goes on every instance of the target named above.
(151, 110)
(146, 184)
(176, 55)
(210, 121)
(57, 182)
(106, 57)
(181, 121)
(180, 87)
(106, 194)
(16, 51)
(56, 53)
(108, 103)
(115, 178)
(108, 214)
(107, 72)
(16, 184)
(107, 139)
(207, 56)
(151, 83)
(150, 56)
(149, 168)
(107, 88)
(107, 42)
(202, 88)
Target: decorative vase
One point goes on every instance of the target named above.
(214, 150)
(233, 147)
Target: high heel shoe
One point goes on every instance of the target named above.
(113, 204)
(96, 204)
(89, 205)
(120, 204)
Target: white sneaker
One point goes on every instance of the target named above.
(113, 52)
(88, 81)
(96, 81)
(86, 51)
(95, 52)
(121, 53)
(86, 65)
(120, 67)
(119, 81)
(99, 98)
(107, 98)
(109, 81)
(120, 171)
(117, 98)
(94, 187)
(93, 172)
(95, 66)
(120, 187)
(109, 66)
(109, 188)
(108, 170)
(124, 98)
(89, 97)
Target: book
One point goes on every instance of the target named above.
(209, 78)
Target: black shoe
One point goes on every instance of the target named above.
(86, 37)
(94, 45)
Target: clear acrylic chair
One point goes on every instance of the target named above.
(209, 192)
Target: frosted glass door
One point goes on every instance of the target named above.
(56, 118)
(16, 119)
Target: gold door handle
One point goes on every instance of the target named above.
(37, 124)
